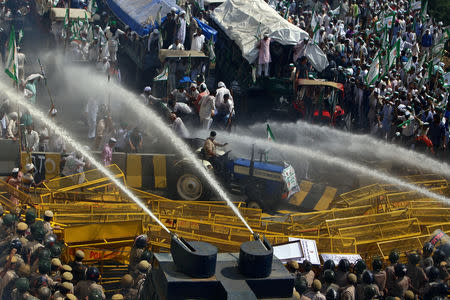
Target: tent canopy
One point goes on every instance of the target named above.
(243, 20)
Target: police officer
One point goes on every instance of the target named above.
(78, 269)
(138, 248)
(348, 291)
(390, 270)
(87, 287)
(21, 232)
(427, 260)
(401, 282)
(329, 278)
(342, 272)
(308, 273)
(7, 227)
(359, 268)
(48, 217)
(301, 286)
(127, 290)
(379, 275)
(367, 280)
(416, 273)
(22, 286)
(64, 289)
(315, 293)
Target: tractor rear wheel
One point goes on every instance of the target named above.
(190, 187)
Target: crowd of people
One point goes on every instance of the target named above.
(389, 57)
(31, 266)
(424, 276)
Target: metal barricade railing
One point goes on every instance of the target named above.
(375, 232)
(367, 195)
(90, 180)
(334, 225)
(429, 216)
(23, 198)
(402, 245)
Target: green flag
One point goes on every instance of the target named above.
(163, 76)
(11, 63)
(423, 10)
(270, 136)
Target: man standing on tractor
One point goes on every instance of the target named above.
(209, 149)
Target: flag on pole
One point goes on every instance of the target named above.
(158, 16)
(388, 21)
(393, 54)
(270, 136)
(416, 5)
(407, 66)
(374, 71)
(163, 76)
(423, 11)
(314, 22)
(11, 63)
(447, 80)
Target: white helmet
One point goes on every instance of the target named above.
(29, 167)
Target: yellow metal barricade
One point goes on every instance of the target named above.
(368, 195)
(375, 232)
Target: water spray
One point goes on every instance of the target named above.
(340, 162)
(148, 115)
(358, 143)
(61, 132)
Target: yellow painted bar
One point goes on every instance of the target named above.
(159, 170)
(327, 197)
(102, 231)
(297, 198)
(134, 170)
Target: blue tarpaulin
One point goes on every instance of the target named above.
(208, 31)
(140, 15)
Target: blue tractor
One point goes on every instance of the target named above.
(267, 185)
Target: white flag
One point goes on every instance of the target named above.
(316, 57)
(374, 71)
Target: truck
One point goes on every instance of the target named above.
(266, 184)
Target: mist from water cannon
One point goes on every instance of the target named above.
(97, 84)
(321, 156)
(68, 139)
(345, 143)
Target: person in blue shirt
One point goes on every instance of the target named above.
(427, 41)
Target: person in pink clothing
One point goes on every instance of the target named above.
(264, 56)
(107, 151)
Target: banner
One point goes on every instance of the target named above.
(290, 179)
(374, 71)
